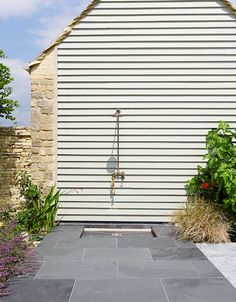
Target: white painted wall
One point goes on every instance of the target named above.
(170, 67)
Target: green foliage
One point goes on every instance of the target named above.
(7, 105)
(37, 215)
(217, 180)
(7, 211)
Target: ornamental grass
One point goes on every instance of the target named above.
(202, 221)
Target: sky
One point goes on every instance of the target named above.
(28, 27)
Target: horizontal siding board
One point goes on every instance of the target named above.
(150, 11)
(145, 85)
(132, 139)
(126, 192)
(166, 125)
(123, 205)
(113, 17)
(74, 197)
(147, 58)
(153, 65)
(105, 218)
(157, 4)
(136, 166)
(126, 185)
(97, 106)
(154, 31)
(118, 38)
(150, 45)
(131, 178)
(85, 25)
(170, 67)
(114, 211)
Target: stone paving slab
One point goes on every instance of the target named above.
(86, 242)
(146, 242)
(54, 253)
(78, 270)
(118, 254)
(205, 268)
(118, 291)
(156, 269)
(199, 290)
(40, 291)
(163, 230)
(176, 253)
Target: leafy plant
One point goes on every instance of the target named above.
(16, 255)
(37, 215)
(202, 221)
(216, 181)
(7, 105)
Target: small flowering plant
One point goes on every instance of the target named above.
(216, 181)
(16, 255)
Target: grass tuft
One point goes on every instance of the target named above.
(202, 221)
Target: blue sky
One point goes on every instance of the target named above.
(27, 27)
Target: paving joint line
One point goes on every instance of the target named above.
(44, 262)
(164, 290)
(83, 255)
(194, 268)
(58, 240)
(72, 291)
(173, 238)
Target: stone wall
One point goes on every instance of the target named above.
(15, 156)
(43, 108)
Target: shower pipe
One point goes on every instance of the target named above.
(118, 173)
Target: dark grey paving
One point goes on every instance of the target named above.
(40, 291)
(109, 254)
(163, 230)
(118, 291)
(78, 270)
(185, 244)
(120, 268)
(199, 290)
(175, 253)
(206, 269)
(156, 269)
(130, 242)
(86, 242)
(62, 253)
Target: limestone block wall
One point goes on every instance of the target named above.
(15, 157)
(43, 109)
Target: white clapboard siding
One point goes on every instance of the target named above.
(170, 66)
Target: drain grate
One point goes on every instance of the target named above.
(117, 231)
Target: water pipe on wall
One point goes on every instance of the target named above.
(118, 173)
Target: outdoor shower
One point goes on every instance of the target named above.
(118, 173)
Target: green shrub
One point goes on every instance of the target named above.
(216, 181)
(37, 215)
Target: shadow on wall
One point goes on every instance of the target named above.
(15, 156)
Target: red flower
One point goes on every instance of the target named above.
(205, 185)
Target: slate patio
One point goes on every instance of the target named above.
(120, 268)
